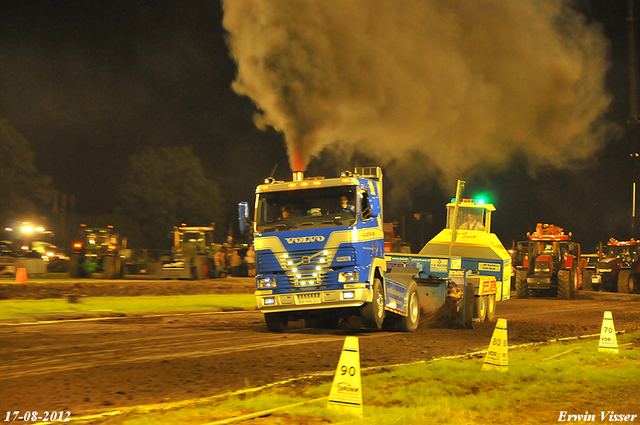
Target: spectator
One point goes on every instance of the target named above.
(251, 261)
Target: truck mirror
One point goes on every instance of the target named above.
(243, 217)
(366, 213)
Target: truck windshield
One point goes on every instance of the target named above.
(307, 208)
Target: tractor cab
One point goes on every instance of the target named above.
(469, 214)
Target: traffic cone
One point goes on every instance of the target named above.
(497, 357)
(21, 275)
(608, 341)
(346, 391)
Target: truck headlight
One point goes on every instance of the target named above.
(604, 270)
(348, 277)
(269, 300)
(266, 282)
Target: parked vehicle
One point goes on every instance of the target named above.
(57, 261)
(619, 267)
(551, 264)
(192, 254)
(96, 250)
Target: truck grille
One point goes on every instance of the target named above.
(305, 268)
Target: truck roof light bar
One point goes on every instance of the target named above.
(369, 172)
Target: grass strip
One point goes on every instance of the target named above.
(542, 382)
(60, 308)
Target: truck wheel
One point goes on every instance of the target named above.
(564, 284)
(624, 278)
(522, 289)
(372, 314)
(480, 308)
(412, 321)
(276, 322)
(491, 307)
(108, 268)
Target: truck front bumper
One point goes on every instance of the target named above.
(313, 300)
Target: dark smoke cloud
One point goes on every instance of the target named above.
(465, 83)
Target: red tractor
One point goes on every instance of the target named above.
(618, 269)
(551, 263)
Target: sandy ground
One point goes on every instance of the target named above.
(94, 366)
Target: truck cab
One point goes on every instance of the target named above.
(319, 248)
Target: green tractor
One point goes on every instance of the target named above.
(192, 254)
(96, 250)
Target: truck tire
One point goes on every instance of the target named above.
(372, 314)
(412, 321)
(522, 289)
(480, 308)
(491, 307)
(108, 267)
(564, 284)
(276, 322)
(623, 281)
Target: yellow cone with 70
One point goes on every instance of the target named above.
(608, 341)
(346, 391)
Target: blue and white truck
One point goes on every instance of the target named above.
(320, 256)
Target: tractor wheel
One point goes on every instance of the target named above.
(74, 265)
(573, 289)
(624, 278)
(564, 284)
(491, 307)
(372, 314)
(633, 284)
(522, 289)
(480, 308)
(586, 280)
(411, 322)
(198, 268)
(108, 267)
(276, 322)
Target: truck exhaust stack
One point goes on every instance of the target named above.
(298, 176)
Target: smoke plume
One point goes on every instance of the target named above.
(466, 83)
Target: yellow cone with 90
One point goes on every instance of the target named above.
(346, 391)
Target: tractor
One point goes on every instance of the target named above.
(192, 254)
(551, 264)
(96, 250)
(618, 269)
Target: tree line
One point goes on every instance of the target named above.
(162, 187)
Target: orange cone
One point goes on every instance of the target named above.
(21, 275)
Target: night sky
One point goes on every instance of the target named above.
(89, 83)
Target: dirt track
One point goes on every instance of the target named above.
(101, 365)
(123, 287)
